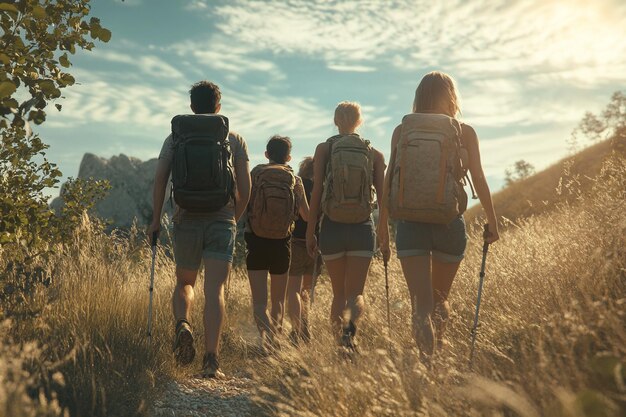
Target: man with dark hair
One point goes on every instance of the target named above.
(205, 97)
(207, 236)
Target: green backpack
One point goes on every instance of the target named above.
(202, 173)
(348, 188)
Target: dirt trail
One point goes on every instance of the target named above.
(195, 397)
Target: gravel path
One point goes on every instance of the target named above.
(206, 397)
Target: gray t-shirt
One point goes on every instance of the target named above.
(239, 151)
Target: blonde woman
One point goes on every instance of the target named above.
(346, 171)
(430, 253)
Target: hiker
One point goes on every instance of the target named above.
(211, 187)
(302, 267)
(276, 200)
(431, 153)
(346, 170)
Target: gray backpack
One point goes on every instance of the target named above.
(428, 170)
(348, 192)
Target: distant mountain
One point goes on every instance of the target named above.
(130, 196)
(538, 193)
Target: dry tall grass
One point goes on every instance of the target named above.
(552, 339)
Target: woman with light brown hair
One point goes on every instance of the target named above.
(347, 171)
(431, 239)
(302, 266)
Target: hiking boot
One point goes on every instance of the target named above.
(184, 351)
(210, 367)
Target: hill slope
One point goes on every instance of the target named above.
(539, 192)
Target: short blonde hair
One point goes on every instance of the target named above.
(348, 115)
(434, 88)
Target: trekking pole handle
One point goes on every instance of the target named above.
(155, 236)
(486, 234)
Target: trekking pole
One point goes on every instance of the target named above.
(387, 291)
(153, 244)
(480, 290)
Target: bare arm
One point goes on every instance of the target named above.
(242, 177)
(319, 170)
(470, 139)
(383, 205)
(158, 193)
(379, 178)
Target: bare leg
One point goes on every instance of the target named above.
(258, 287)
(443, 275)
(294, 302)
(337, 272)
(305, 296)
(215, 275)
(182, 298)
(417, 275)
(278, 292)
(356, 274)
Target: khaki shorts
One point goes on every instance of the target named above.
(198, 239)
(301, 262)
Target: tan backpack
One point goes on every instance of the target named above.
(273, 208)
(428, 170)
(348, 192)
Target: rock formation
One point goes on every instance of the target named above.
(130, 196)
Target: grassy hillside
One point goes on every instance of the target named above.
(552, 340)
(539, 192)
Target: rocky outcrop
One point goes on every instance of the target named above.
(130, 196)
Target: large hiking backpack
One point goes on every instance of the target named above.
(202, 173)
(427, 176)
(348, 193)
(273, 209)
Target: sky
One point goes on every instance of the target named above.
(527, 71)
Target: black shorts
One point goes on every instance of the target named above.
(273, 255)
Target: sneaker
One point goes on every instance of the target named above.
(210, 367)
(184, 351)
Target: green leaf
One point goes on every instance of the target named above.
(47, 86)
(4, 58)
(64, 61)
(7, 88)
(58, 106)
(104, 35)
(39, 13)
(66, 79)
(6, 7)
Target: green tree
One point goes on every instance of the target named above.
(38, 38)
(610, 123)
(520, 170)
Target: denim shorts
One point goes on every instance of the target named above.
(346, 239)
(446, 242)
(198, 239)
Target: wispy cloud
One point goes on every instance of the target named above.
(148, 65)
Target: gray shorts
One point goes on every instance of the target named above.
(198, 239)
(445, 242)
(345, 239)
